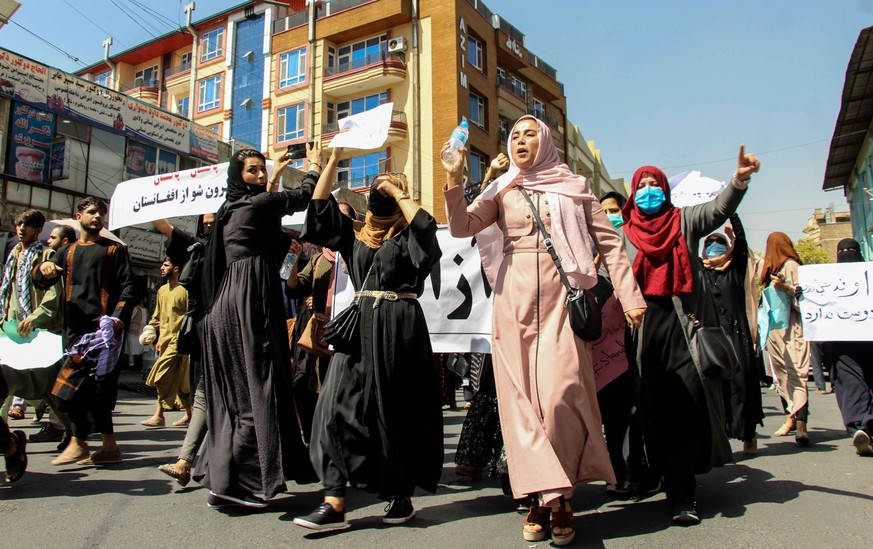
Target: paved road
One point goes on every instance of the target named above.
(820, 497)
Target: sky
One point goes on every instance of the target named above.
(675, 84)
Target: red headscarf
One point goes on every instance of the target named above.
(662, 267)
(779, 250)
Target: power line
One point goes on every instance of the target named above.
(41, 39)
(74, 8)
(155, 15)
(132, 18)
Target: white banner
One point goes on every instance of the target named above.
(691, 188)
(190, 192)
(367, 130)
(836, 303)
(455, 301)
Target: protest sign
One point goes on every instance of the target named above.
(608, 352)
(456, 299)
(40, 349)
(836, 303)
(189, 192)
(691, 188)
(367, 130)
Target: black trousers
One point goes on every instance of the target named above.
(91, 408)
(335, 483)
(853, 384)
(620, 426)
(675, 417)
(801, 415)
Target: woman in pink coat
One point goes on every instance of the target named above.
(544, 376)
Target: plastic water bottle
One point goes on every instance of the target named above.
(287, 266)
(458, 139)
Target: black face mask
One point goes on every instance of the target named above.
(381, 206)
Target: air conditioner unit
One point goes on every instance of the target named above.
(396, 45)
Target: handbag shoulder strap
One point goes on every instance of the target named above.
(547, 240)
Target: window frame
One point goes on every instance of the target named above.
(207, 53)
(215, 103)
(141, 76)
(481, 110)
(299, 133)
(285, 81)
(476, 46)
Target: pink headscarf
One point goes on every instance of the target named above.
(564, 190)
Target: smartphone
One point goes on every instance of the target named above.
(298, 150)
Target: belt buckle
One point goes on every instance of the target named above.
(391, 296)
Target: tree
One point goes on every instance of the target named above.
(811, 253)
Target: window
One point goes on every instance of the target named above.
(477, 110)
(363, 53)
(504, 125)
(212, 45)
(518, 87)
(146, 78)
(289, 125)
(210, 94)
(358, 171)
(182, 107)
(475, 53)
(215, 128)
(539, 109)
(185, 63)
(104, 79)
(478, 166)
(335, 111)
(501, 76)
(292, 68)
(331, 57)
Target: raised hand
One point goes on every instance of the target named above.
(457, 167)
(747, 164)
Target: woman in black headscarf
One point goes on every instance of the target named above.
(852, 371)
(253, 443)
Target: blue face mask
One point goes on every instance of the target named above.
(650, 199)
(715, 249)
(616, 219)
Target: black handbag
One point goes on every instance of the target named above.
(716, 353)
(187, 341)
(342, 332)
(583, 305)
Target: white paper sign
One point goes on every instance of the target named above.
(42, 351)
(190, 192)
(836, 303)
(456, 306)
(691, 188)
(367, 130)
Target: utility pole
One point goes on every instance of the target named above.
(189, 15)
(107, 42)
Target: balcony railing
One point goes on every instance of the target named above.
(321, 11)
(483, 9)
(547, 118)
(172, 71)
(543, 66)
(513, 32)
(397, 118)
(511, 89)
(355, 64)
(141, 83)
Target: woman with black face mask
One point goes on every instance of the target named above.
(378, 421)
(852, 372)
(729, 279)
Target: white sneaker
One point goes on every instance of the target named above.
(862, 443)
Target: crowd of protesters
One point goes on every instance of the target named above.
(266, 400)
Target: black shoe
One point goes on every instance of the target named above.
(245, 500)
(398, 511)
(48, 433)
(324, 518)
(522, 505)
(64, 442)
(686, 517)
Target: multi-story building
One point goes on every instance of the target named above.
(850, 162)
(272, 76)
(584, 158)
(826, 228)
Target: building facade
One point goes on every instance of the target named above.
(272, 76)
(850, 161)
(64, 138)
(826, 228)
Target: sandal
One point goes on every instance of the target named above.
(16, 464)
(789, 425)
(169, 469)
(153, 422)
(16, 413)
(184, 422)
(536, 524)
(563, 518)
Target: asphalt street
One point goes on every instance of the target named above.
(821, 496)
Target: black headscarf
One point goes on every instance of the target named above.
(619, 199)
(849, 251)
(215, 260)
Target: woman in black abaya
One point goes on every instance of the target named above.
(253, 444)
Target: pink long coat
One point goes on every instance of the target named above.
(545, 380)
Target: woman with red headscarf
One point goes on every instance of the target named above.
(674, 393)
(544, 376)
(789, 353)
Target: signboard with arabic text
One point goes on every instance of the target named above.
(837, 302)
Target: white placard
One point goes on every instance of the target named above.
(367, 130)
(455, 303)
(189, 192)
(836, 303)
(44, 350)
(691, 188)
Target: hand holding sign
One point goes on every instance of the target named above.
(367, 130)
